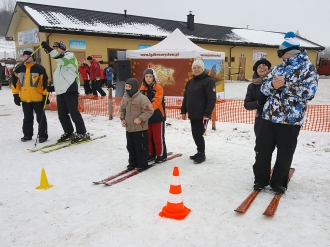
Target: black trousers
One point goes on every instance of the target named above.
(67, 103)
(197, 130)
(96, 87)
(38, 108)
(137, 147)
(87, 87)
(271, 135)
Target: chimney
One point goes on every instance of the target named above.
(190, 21)
(125, 13)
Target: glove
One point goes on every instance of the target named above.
(261, 101)
(205, 122)
(17, 99)
(50, 89)
(45, 45)
(44, 98)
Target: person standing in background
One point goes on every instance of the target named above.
(115, 70)
(84, 72)
(198, 101)
(95, 76)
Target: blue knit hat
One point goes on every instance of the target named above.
(291, 43)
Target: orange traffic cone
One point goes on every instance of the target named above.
(174, 208)
(44, 185)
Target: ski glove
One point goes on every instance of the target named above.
(50, 89)
(45, 45)
(44, 99)
(17, 99)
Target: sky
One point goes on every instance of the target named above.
(306, 16)
(76, 213)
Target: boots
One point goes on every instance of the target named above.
(200, 158)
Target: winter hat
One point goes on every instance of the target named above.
(151, 72)
(28, 51)
(134, 83)
(60, 45)
(198, 62)
(89, 58)
(82, 61)
(291, 44)
(261, 61)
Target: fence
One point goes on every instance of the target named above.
(232, 111)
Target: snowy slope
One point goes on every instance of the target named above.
(77, 213)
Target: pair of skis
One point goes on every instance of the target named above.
(111, 180)
(60, 145)
(272, 207)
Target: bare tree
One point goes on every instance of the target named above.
(6, 11)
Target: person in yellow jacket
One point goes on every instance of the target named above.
(29, 86)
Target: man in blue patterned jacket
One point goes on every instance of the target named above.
(289, 87)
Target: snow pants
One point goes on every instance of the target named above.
(197, 130)
(67, 103)
(156, 139)
(271, 135)
(137, 147)
(38, 108)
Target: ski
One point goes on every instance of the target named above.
(248, 201)
(271, 209)
(138, 171)
(47, 146)
(71, 144)
(117, 175)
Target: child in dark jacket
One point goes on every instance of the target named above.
(156, 125)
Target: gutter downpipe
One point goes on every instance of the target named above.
(230, 61)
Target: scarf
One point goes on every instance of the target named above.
(258, 80)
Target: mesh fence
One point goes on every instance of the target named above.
(232, 111)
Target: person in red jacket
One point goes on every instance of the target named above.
(156, 124)
(84, 72)
(95, 76)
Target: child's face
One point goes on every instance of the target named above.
(128, 87)
(149, 78)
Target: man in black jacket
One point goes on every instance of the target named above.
(199, 100)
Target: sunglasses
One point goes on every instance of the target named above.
(54, 46)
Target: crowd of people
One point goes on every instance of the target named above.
(279, 95)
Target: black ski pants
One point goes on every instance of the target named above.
(38, 108)
(96, 87)
(271, 135)
(67, 103)
(137, 147)
(197, 130)
(87, 87)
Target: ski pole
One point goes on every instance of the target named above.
(32, 53)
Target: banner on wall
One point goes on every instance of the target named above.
(173, 74)
(257, 55)
(30, 36)
(77, 44)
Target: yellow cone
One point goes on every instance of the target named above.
(44, 185)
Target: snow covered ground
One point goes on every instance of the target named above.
(77, 213)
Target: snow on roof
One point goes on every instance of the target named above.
(265, 37)
(69, 22)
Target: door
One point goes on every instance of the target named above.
(241, 71)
